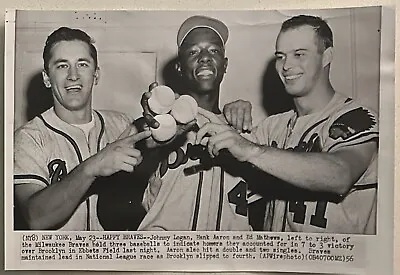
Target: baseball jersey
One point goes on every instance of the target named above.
(342, 123)
(47, 148)
(179, 197)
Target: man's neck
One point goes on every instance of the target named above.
(314, 101)
(74, 117)
(207, 101)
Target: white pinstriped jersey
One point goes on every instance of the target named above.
(47, 148)
(342, 123)
(209, 200)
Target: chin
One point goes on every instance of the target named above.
(205, 90)
(206, 86)
(293, 91)
(75, 107)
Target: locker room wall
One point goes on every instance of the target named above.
(137, 48)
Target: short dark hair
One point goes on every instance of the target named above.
(67, 34)
(320, 26)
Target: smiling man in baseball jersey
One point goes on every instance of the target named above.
(59, 154)
(190, 191)
(324, 152)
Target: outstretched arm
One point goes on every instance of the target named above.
(48, 207)
(330, 172)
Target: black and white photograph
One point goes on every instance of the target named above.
(230, 137)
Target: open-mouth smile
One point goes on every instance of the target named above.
(73, 88)
(204, 72)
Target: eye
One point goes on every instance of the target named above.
(62, 66)
(192, 52)
(279, 57)
(299, 54)
(83, 65)
(214, 50)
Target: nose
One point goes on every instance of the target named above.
(204, 57)
(287, 63)
(73, 73)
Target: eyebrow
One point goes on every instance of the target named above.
(296, 50)
(211, 42)
(60, 60)
(63, 60)
(85, 59)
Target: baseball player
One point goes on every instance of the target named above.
(189, 190)
(60, 153)
(323, 153)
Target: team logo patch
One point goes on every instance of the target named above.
(57, 170)
(351, 123)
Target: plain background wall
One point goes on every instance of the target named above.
(136, 48)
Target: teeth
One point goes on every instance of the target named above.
(205, 73)
(74, 87)
(290, 77)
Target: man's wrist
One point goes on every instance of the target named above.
(88, 168)
(255, 152)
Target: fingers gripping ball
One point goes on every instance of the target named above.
(184, 109)
(167, 128)
(161, 100)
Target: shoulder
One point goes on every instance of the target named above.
(114, 117)
(33, 130)
(114, 122)
(353, 108)
(352, 118)
(350, 123)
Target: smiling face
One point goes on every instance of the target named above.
(202, 61)
(71, 75)
(299, 61)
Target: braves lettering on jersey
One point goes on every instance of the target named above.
(342, 123)
(46, 149)
(179, 197)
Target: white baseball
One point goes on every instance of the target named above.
(161, 100)
(185, 109)
(167, 128)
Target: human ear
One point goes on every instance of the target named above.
(226, 64)
(178, 68)
(96, 76)
(327, 56)
(46, 79)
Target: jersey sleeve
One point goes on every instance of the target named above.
(351, 126)
(29, 159)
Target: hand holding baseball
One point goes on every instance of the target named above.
(167, 114)
(167, 128)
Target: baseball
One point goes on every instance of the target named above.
(167, 128)
(161, 100)
(184, 109)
